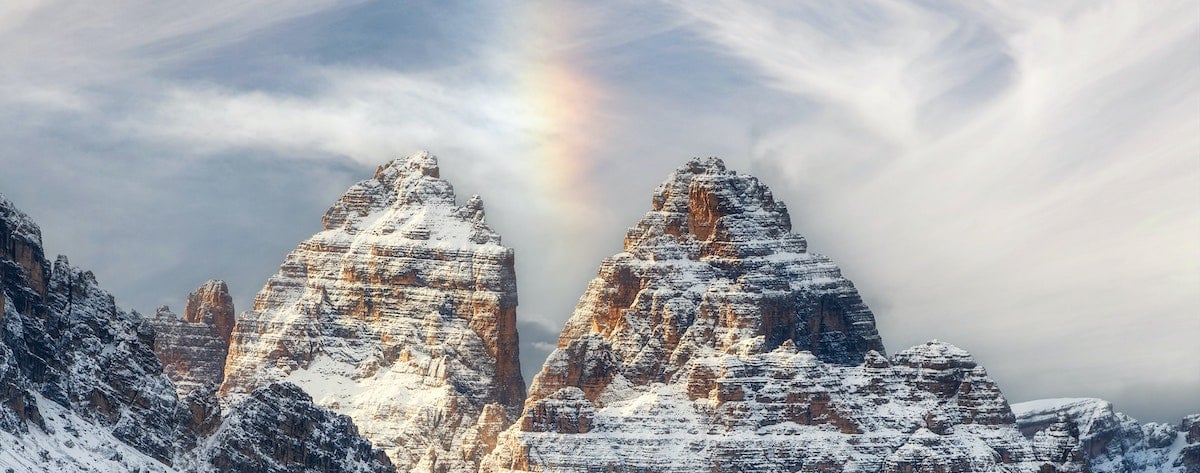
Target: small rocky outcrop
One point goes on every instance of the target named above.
(193, 348)
(401, 313)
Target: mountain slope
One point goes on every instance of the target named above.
(401, 314)
(716, 342)
(66, 342)
(81, 388)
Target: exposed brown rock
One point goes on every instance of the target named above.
(401, 314)
(211, 304)
(193, 349)
(716, 342)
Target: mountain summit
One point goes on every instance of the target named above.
(717, 342)
(401, 313)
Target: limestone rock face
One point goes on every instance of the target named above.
(277, 429)
(784, 410)
(1085, 434)
(193, 348)
(400, 314)
(716, 342)
(713, 268)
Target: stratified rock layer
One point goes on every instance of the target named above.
(400, 314)
(713, 268)
(716, 342)
(928, 408)
(192, 349)
(1088, 435)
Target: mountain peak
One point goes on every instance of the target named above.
(193, 348)
(421, 163)
(715, 212)
(408, 297)
(712, 269)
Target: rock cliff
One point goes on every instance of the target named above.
(193, 348)
(1088, 435)
(67, 350)
(717, 342)
(400, 314)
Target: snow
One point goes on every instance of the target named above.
(70, 444)
(1050, 406)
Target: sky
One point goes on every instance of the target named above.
(1019, 178)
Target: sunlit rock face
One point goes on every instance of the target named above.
(193, 348)
(1088, 435)
(716, 342)
(400, 314)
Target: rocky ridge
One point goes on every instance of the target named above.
(278, 427)
(400, 314)
(1088, 435)
(66, 342)
(193, 348)
(82, 390)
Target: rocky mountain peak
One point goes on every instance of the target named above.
(400, 314)
(717, 342)
(193, 349)
(712, 268)
(211, 304)
(421, 163)
(21, 242)
(714, 212)
(395, 201)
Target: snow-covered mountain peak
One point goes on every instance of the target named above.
(400, 314)
(406, 202)
(714, 212)
(19, 224)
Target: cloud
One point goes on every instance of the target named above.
(357, 114)
(1018, 178)
(1022, 176)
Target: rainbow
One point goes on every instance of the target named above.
(562, 103)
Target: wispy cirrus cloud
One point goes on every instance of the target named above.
(1022, 175)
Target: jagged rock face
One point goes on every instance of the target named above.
(278, 429)
(192, 349)
(713, 268)
(784, 410)
(401, 314)
(716, 342)
(66, 342)
(1088, 435)
(1189, 456)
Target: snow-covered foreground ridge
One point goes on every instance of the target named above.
(714, 342)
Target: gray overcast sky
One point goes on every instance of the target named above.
(1021, 179)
